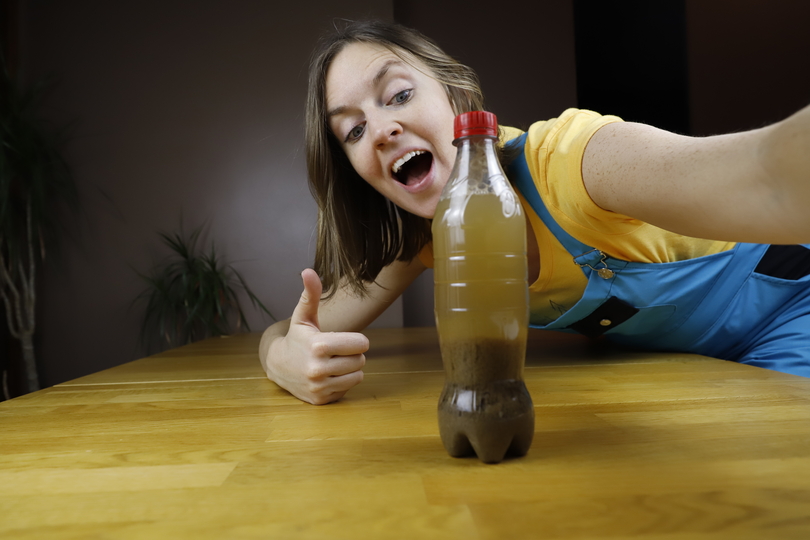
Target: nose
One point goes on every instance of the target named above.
(386, 130)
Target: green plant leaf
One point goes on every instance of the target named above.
(192, 295)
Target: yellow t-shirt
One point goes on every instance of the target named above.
(554, 151)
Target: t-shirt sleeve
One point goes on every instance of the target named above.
(554, 152)
(557, 147)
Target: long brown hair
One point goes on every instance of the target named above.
(359, 230)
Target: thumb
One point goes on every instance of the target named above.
(306, 312)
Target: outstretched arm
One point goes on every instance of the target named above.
(752, 186)
(318, 354)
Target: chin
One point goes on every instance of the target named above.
(427, 213)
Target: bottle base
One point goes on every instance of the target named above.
(492, 422)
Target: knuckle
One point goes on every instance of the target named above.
(314, 373)
(315, 389)
(320, 348)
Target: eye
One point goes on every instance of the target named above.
(402, 97)
(355, 133)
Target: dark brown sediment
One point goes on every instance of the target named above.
(492, 420)
(475, 361)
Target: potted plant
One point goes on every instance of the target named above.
(35, 183)
(191, 295)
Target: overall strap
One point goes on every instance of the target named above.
(521, 178)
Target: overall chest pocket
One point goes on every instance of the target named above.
(618, 318)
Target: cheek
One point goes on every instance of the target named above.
(447, 152)
(355, 157)
(443, 127)
(364, 165)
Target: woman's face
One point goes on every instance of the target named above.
(395, 124)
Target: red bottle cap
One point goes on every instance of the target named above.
(476, 123)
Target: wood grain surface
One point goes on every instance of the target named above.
(197, 443)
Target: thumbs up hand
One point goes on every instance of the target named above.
(317, 367)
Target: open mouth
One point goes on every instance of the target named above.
(412, 168)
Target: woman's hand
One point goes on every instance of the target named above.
(316, 367)
(320, 367)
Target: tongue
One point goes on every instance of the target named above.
(416, 169)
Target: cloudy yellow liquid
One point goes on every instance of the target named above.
(480, 281)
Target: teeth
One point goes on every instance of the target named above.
(404, 159)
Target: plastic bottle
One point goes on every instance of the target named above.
(481, 301)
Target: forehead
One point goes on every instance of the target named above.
(358, 66)
(359, 55)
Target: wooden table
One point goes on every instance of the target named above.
(196, 443)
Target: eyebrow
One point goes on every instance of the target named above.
(384, 70)
(374, 82)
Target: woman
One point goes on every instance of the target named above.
(381, 103)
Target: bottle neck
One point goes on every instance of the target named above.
(477, 157)
(476, 144)
(475, 139)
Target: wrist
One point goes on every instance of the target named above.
(268, 346)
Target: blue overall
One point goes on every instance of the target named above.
(716, 305)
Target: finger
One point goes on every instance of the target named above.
(334, 388)
(319, 371)
(343, 365)
(340, 344)
(344, 383)
(306, 312)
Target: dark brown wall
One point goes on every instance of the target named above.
(193, 110)
(749, 62)
(523, 53)
(184, 110)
